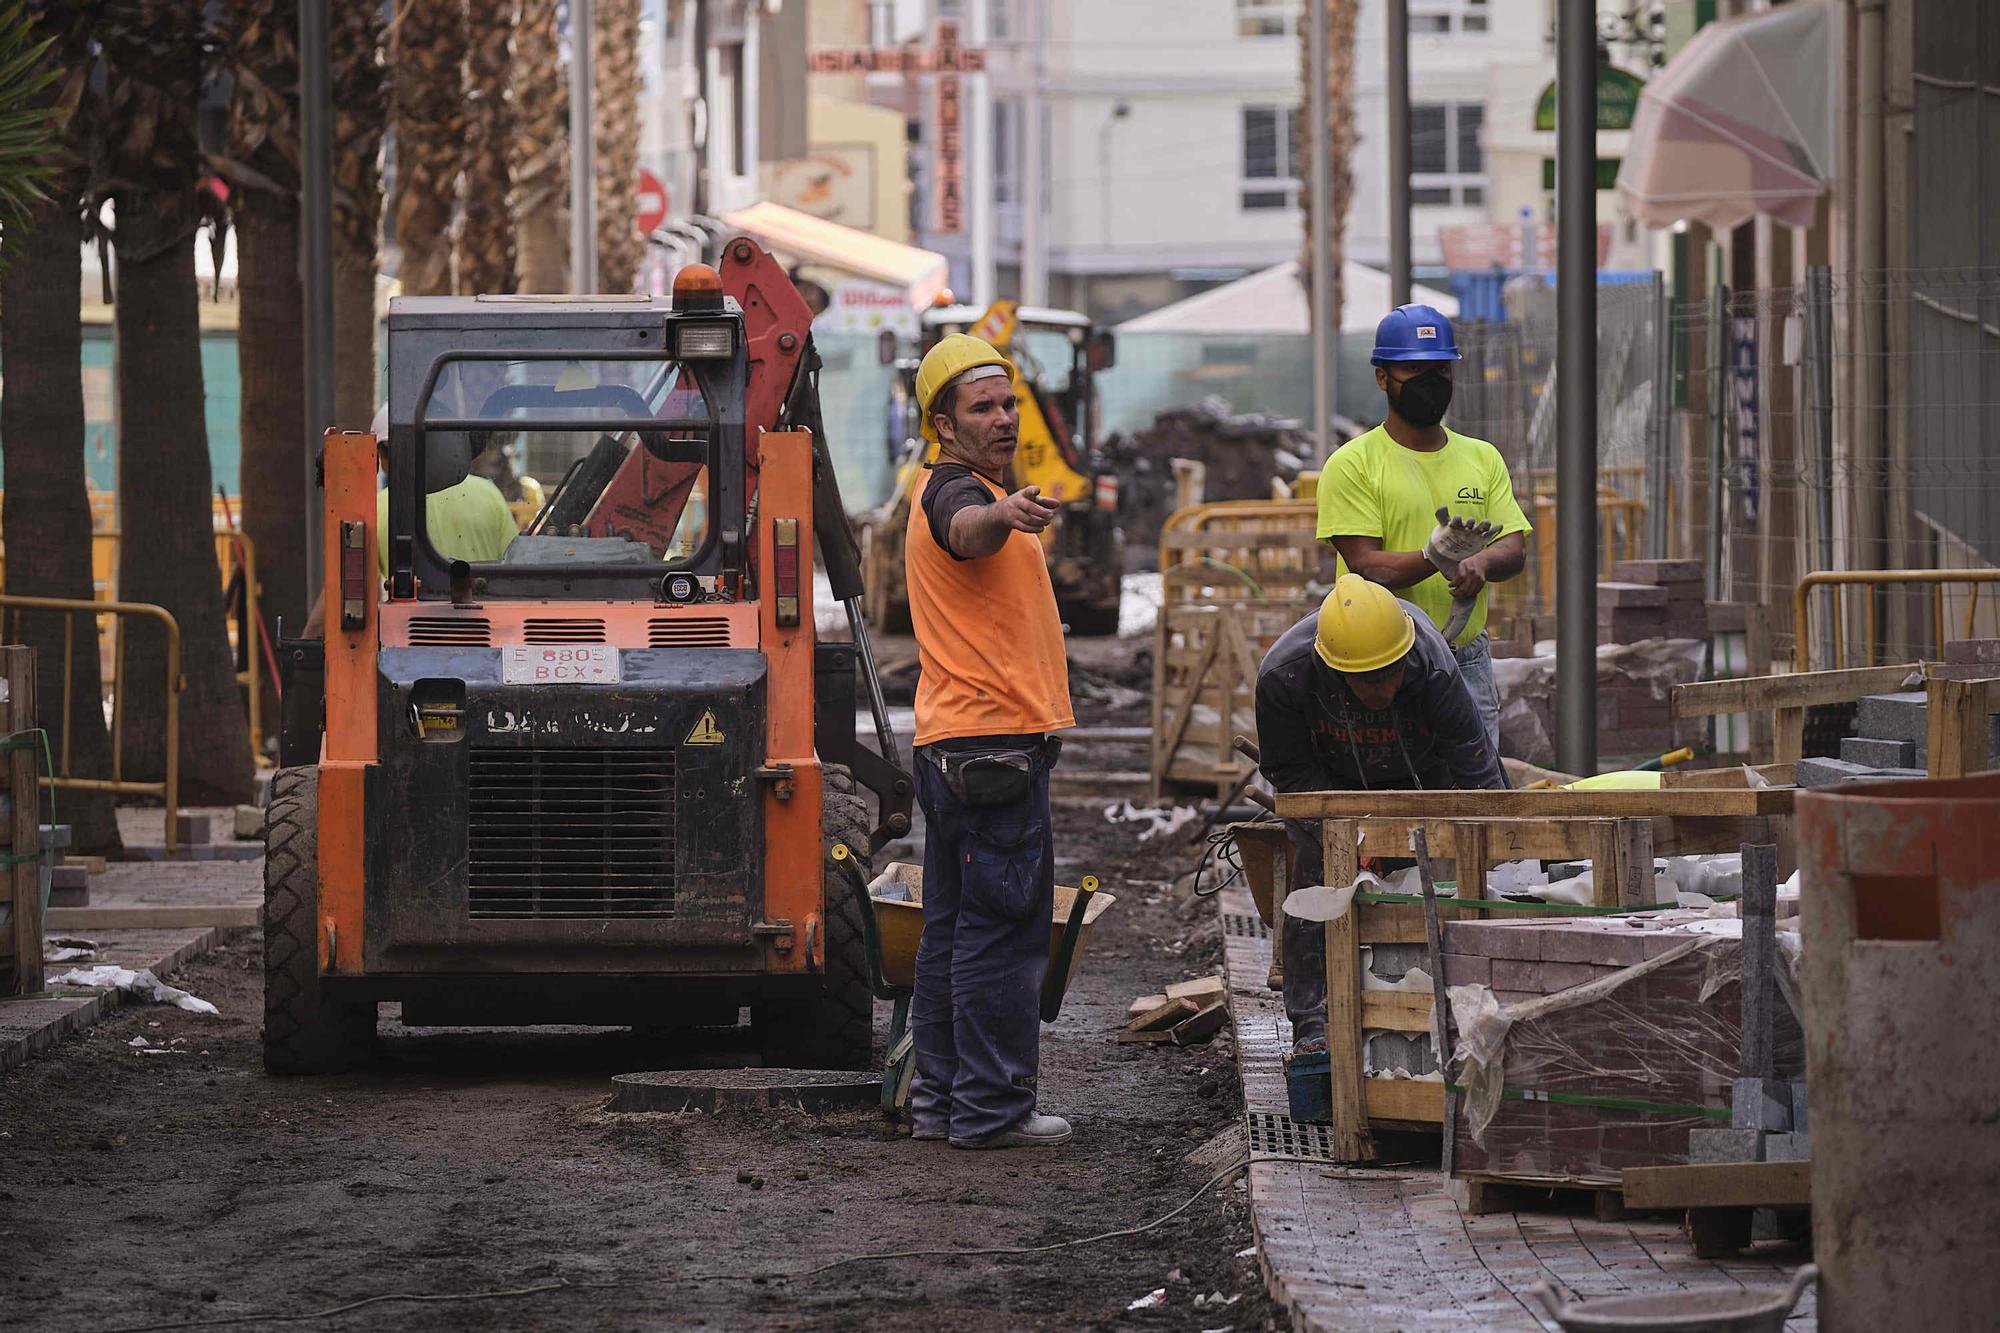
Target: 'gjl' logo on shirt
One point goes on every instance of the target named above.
(1472, 494)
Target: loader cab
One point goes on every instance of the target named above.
(628, 412)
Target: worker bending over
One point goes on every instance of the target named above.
(1415, 506)
(994, 685)
(1362, 695)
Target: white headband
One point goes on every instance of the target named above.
(977, 373)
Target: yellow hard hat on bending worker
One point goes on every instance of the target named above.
(1362, 627)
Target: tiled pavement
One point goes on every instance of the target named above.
(1363, 1248)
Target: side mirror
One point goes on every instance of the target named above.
(885, 347)
(1103, 350)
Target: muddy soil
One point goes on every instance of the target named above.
(172, 1190)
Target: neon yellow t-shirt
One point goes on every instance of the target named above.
(1374, 487)
(469, 521)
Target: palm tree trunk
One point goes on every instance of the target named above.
(47, 512)
(615, 71)
(270, 350)
(429, 60)
(1341, 22)
(486, 240)
(154, 70)
(540, 150)
(360, 111)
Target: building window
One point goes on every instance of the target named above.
(1447, 164)
(1270, 157)
(1447, 16)
(1001, 25)
(1267, 18)
(1006, 150)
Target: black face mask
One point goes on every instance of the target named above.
(1422, 399)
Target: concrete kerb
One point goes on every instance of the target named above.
(33, 1024)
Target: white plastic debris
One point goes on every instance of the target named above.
(138, 1041)
(1139, 599)
(1215, 1299)
(1162, 821)
(67, 949)
(1513, 877)
(141, 983)
(1152, 1300)
(1247, 1252)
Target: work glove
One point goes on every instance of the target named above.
(1461, 612)
(1455, 538)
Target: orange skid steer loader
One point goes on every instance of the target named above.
(592, 777)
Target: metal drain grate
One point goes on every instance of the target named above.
(1249, 927)
(1274, 1135)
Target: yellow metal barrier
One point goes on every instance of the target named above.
(1621, 535)
(1872, 579)
(169, 790)
(249, 628)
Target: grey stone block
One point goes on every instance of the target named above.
(249, 822)
(1893, 717)
(1760, 1103)
(1725, 1145)
(1872, 753)
(1800, 1122)
(1791, 1146)
(1969, 651)
(1827, 772)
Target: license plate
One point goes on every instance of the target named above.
(559, 666)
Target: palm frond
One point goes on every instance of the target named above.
(29, 128)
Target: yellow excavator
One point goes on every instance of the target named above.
(1058, 452)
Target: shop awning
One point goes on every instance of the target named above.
(1739, 123)
(803, 238)
(1273, 301)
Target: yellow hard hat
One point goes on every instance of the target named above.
(954, 354)
(1362, 627)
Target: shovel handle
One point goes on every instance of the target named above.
(1057, 981)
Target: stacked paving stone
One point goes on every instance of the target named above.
(1646, 599)
(1767, 1123)
(1653, 1044)
(1892, 737)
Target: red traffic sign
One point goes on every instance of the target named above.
(652, 203)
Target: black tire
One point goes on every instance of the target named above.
(835, 1029)
(304, 1033)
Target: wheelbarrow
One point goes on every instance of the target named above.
(892, 924)
(1717, 1309)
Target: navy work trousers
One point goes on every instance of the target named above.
(989, 894)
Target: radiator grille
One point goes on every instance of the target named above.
(560, 832)
(541, 630)
(688, 632)
(450, 631)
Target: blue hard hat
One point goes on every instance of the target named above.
(1414, 333)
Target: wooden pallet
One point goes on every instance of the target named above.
(1719, 1198)
(1625, 839)
(20, 830)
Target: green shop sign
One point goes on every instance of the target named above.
(1617, 99)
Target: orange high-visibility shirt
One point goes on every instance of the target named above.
(989, 638)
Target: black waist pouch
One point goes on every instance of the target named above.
(1000, 775)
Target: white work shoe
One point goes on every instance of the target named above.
(1037, 1131)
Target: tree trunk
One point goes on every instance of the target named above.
(360, 110)
(167, 556)
(1341, 21)
(47, 509)
(615, 75)
(540, 151)
(486, 240)
(270, 348)
(429, 60)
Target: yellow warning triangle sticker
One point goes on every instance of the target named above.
(705, 732)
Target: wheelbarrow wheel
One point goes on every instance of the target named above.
(836, 1028)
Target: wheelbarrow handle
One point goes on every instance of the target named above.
(842, 858)
(1057, 981)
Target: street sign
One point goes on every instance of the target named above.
(652, 203)
(1617, 100)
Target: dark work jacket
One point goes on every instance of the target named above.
(1315, 735)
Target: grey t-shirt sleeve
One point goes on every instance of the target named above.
(952, 491)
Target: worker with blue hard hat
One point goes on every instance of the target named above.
(1421, 509)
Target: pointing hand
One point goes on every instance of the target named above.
(1026, 511)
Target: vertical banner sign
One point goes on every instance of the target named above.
(948, 160)
(1743, 357)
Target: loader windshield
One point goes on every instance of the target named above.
(620, 450)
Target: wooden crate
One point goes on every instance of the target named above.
(20, 830)
(1233, 577)
(1616, 828)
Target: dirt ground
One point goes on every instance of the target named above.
(179, 1189)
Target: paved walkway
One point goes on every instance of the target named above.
(32, 1024)
(1353, 1248)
